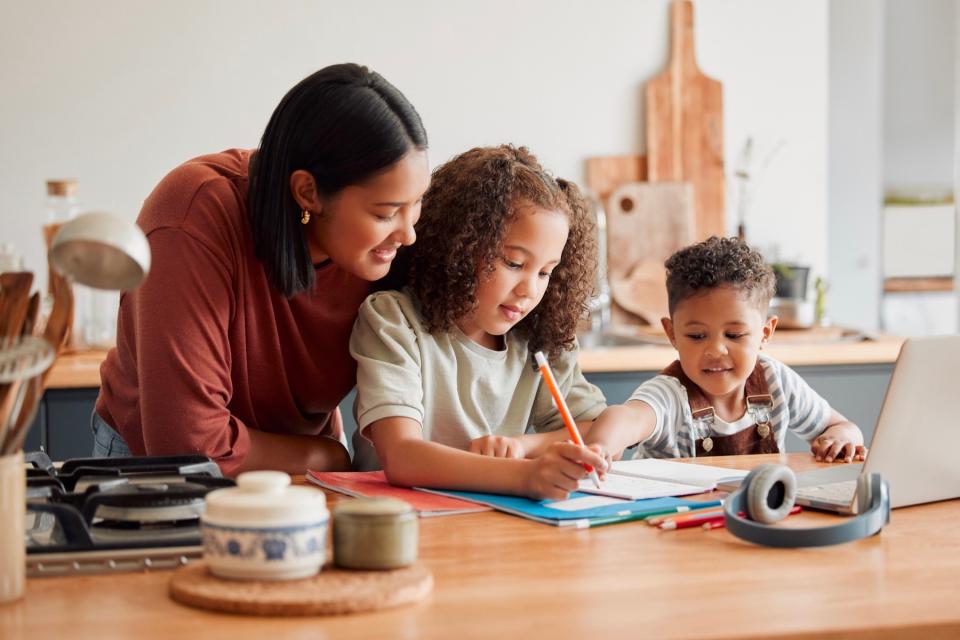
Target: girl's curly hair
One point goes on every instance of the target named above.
(471, 201)
(718, 262)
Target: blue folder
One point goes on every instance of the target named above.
(540, 510)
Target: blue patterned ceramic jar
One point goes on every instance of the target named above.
(264, 529)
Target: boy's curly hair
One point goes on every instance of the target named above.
(719, 262)
(471, 201)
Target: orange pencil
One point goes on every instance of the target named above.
(561, 404)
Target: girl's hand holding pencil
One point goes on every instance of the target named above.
(555, 474)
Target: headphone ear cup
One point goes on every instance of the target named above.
(770, 493)
(864, 491)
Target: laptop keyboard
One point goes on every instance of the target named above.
(835, 492)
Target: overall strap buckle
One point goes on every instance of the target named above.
(704, 416)
(703, 421)
(760, 407)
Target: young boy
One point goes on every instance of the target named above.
(722, 397)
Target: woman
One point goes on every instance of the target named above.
(236, 346)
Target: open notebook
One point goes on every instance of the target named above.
(656, 478)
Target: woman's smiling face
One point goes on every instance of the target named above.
(360, 227)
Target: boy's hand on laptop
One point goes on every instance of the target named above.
(841, 443)
(559, 470)
(498, 447)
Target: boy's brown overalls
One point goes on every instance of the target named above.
(759, 438)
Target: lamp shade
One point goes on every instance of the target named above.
(101, 250)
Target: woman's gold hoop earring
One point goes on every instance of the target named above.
(305, 217)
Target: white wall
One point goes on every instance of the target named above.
(856, 162)
(919, 104)
(956, 163)
(117, 92)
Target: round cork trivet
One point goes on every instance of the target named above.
(332, 591)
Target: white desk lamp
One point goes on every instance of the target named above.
(101, 250)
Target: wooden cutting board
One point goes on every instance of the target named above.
(685, 126)
(646, 223)
(606, 173)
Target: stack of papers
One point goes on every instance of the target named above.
(579, 510)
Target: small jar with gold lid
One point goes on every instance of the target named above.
(374, 533)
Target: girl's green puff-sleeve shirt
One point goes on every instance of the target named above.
(454, 388)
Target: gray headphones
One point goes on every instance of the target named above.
(767, 494)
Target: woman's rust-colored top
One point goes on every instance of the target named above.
(206, 347)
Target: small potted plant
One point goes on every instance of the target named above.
(791, 280)
(790, 302)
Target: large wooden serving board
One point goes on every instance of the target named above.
(685, 126)
(332, 591)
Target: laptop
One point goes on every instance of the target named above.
(917, 440)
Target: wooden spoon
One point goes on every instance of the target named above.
(14, 302)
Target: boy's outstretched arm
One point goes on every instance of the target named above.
(409, 460)
(621, 426)
(528, 445)
(841, 441)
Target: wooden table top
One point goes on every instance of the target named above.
(499, 576)
(82, 369)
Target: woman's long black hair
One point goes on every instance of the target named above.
(343, 124)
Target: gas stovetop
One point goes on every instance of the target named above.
(96, 515)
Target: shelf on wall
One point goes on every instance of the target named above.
(913, 285)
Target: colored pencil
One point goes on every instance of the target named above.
(605, 520)
(686, 516)
(706, 521)
(561, 405)
(693, 515)
(719, 524)
(672, 525)
(713, 505)
(658, 516)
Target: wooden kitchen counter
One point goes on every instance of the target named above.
(77, 370)
(82, 369)
(499, 576)
(881, 350)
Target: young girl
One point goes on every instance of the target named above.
(502, 267)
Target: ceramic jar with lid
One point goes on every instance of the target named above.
(374, 533)
(264, 529)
